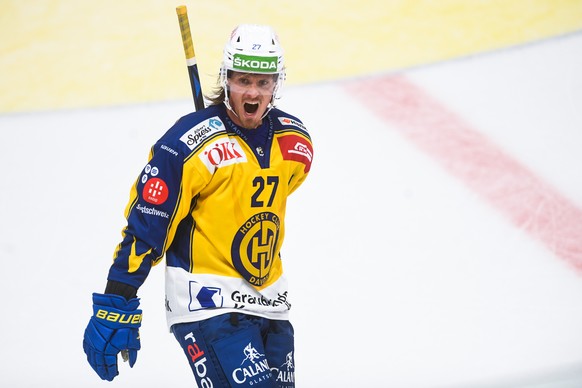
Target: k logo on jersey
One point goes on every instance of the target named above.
(222, 153)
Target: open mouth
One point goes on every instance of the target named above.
(251, 108)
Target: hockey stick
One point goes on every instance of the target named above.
(190, 57)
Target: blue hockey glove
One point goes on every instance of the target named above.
(114, 327)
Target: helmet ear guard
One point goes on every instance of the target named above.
(253, 49)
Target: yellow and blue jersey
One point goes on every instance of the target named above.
(212, 201)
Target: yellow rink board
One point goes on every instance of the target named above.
(57, 54)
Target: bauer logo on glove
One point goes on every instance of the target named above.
(116, 317)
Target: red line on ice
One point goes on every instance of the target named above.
(530, 203)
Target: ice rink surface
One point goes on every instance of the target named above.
(436, 244)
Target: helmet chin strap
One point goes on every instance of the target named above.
(227, 100)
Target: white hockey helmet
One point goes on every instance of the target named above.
(255, 49)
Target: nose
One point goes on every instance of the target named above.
(252, 90)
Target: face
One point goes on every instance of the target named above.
(250, 95)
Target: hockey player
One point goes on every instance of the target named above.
(212, 200)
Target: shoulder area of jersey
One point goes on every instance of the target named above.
(212, 114)
(285, 120)
(196, 128)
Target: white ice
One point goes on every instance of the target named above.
(401, 276)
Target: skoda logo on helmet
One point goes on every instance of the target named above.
(254, 64)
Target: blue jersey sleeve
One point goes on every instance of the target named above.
(150, 211)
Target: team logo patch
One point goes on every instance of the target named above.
(296, 148)
(202, 131)
(254, 245)
(289, 121)
(155, 191)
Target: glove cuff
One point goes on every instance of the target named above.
(115, 301)
(115, 312)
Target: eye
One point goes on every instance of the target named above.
(266, 83)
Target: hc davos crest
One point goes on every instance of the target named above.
(254, 245)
